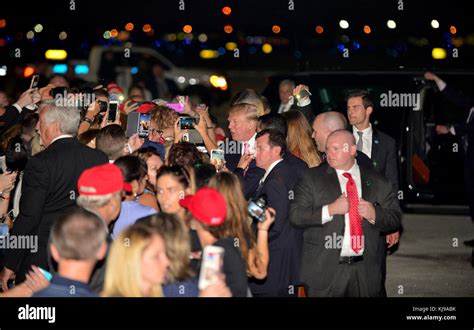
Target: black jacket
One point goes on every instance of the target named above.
(49, 187)
(319, 187)
(284, 241)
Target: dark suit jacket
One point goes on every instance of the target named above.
(49, 187)
(384, 156)
(284, 241)
(307, 111)
(253, 175)
(319, 187)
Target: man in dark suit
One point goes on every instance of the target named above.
(49, 186)
(343, 208)
(239, 152)
(287, 89)
(284, 241)
(466, 131)
(378, 146)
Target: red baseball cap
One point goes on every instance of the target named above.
(207, 205)
(111, 86)
(102, 180)
(146, 107)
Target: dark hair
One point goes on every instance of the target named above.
(204, 172)
(178, 172)
(274, 121)
(136, 87)
(132, 167)
(111, 140)
(364, 94)
(216, 231)
(101, 92)
(88, 136)
(17, 154)
(184, 153)
(275, 139)
(28, 123)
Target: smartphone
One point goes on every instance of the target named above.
(34, 81)
(217, 159)
(144, 125)
(303, 93)
(186, 122)
(212, 265)
(113, 106)
(102, 106)
(178, 107)
(57, 91)
(186, 137)
(46, 274)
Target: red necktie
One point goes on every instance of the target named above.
(354, 216)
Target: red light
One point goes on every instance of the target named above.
(319, 29)
(28, 71)
(226, 10)
(228, 29)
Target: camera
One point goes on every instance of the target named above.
(257, 207)
(302, 94)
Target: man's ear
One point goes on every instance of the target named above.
(276, 151)
(369, 110)
(54, 252)
(353, 150)
(102, 251)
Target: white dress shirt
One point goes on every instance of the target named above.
(275, 163)
(346, 250)
(366, 139)
(252, 145)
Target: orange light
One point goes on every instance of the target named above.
(3, 23)
(228, 29)
(319, 29)
(114, 33)
(146, 28)
(453, 29)
(28, 71)
(187, 29)
(3, 42)
(276, 29)
(129, 26)
(367, 29)
(226, 10)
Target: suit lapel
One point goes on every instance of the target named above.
(333, 186)
(375, 147)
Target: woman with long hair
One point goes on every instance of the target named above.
(237, 225)
(300, 142)
(137, 264)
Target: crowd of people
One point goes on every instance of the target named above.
(119, 215)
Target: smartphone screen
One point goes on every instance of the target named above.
(144, 125)
(212, 265)
(113, 105)
(217, 158)
(34, 81)
(186, 122)
(178, 107)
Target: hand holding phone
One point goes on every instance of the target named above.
(34, 81)
(212, 266)
(112, 114)
(186, 123)
(217, 159)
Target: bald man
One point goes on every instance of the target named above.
(342, 209)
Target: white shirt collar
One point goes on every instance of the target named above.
(354, 170)
(64, 136)
(275, 163)
(251, 143)
(366, 131)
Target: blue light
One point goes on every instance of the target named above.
(252, 50)
(81, 69)
(340, 47)
(187, 42)
(221, 50)
(60, 68)
(356, 45)
(134, 70)
(157, 44)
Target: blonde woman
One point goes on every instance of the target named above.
(137, 264)
(254, 251)
(300, 142)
